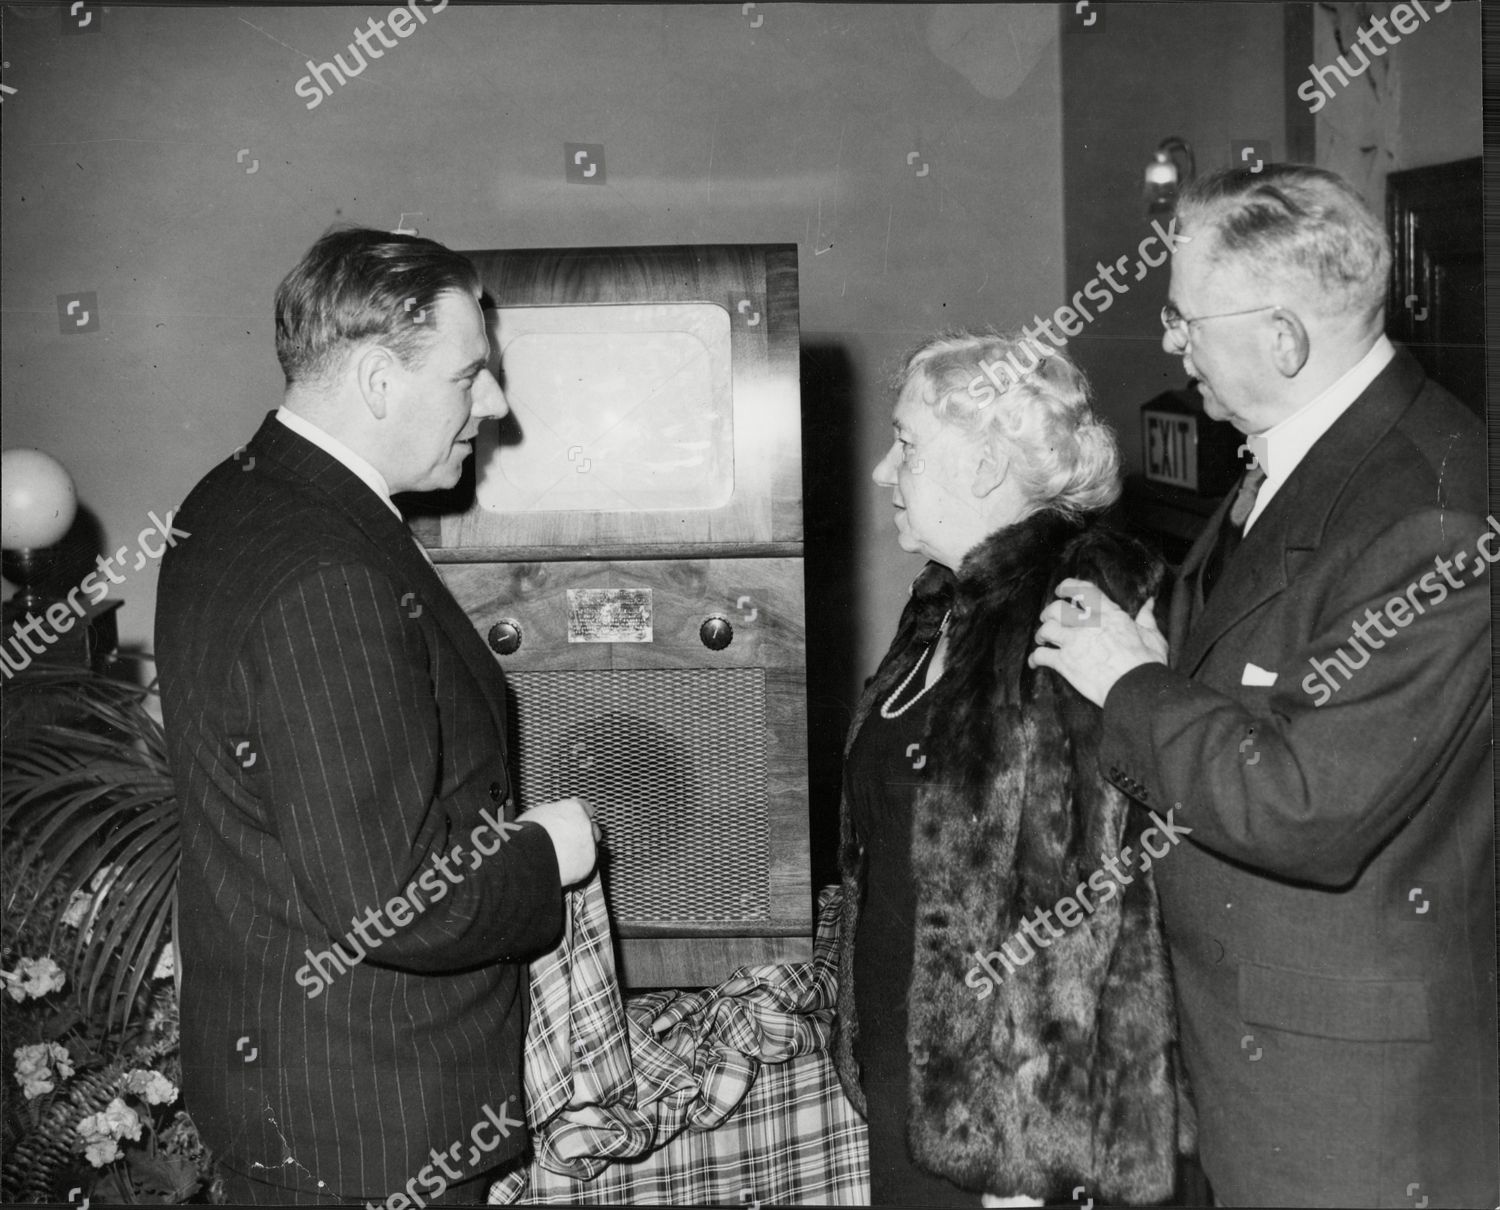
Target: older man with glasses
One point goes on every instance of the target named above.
(1318, 713)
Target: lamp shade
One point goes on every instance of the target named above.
(37, 500)
(1161, 171)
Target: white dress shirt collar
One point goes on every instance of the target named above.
(1282, 446)
(335, 448)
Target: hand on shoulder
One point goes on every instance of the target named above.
(1091, 642)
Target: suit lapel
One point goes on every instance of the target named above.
(1185, 605)
(1254, 575)
(1292, 525)
(396, 544)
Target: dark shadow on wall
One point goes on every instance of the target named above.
(64, 565)
(831, 480)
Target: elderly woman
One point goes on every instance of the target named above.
(990, 1053)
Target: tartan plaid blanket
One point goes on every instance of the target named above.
(719, 1097)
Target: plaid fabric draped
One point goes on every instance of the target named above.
(679, 1098)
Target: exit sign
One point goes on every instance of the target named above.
(1183, 449)
(1170, 441)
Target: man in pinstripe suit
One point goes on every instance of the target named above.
(357, 899)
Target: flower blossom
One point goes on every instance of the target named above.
(101, 1132)
(105, 1151)
(33, 977)
(166, 963)
(151, 1086)
(34, 1067)
(78, 908)
(84, 905)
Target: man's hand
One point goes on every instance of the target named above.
(1094, 641)
(574, 833)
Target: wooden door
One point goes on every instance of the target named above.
(1436, 305)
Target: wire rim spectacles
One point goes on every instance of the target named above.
(1178, 324)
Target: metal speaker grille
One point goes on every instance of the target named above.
(674, 763)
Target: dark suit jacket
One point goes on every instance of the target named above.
(1331, 917)
(335, 725)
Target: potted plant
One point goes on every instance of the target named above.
(88, 1007)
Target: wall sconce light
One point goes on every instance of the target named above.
(1170, 169)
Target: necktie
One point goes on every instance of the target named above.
(1233, 530)
(1244, 501)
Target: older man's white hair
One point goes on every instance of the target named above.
(1294, 224)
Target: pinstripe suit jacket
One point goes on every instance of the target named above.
(336, 729)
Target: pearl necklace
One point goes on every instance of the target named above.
(885, 709)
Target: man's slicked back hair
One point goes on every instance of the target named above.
(357, 284)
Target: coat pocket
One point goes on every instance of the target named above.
(1325, 1006)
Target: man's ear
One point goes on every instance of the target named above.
(993, 468)
(373, 368)
(1291, 343)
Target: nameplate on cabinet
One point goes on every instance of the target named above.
(609, 615)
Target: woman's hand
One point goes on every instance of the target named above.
(1093, 641)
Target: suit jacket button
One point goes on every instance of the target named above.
(495, 792)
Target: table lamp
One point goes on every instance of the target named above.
(37, 507)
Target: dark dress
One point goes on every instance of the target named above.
(882, 785)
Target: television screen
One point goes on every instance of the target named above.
(617, 407)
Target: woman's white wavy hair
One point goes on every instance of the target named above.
(1031, 399)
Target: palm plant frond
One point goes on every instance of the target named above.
(85, 789)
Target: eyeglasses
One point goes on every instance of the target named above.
(1177, 324)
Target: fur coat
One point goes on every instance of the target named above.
(1064, 1072)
